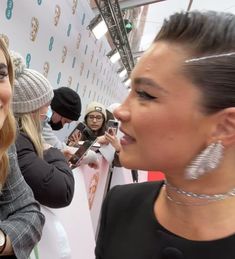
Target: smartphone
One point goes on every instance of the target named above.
(89, 134)
(112, 124)
(79, 129)
(81, 152)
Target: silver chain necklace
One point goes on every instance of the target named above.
(207, 198)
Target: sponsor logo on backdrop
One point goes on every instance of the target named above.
(57, 15)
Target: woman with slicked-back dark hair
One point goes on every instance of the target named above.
(179, 118)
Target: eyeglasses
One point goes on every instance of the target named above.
(97, 117)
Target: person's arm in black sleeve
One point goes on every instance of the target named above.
(50, 178)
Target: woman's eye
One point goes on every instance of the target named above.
(3, 74)
(145, 95)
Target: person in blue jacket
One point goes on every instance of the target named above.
(44, 168)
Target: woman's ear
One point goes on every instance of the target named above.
(225, 127)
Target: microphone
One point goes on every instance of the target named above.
(172, 253)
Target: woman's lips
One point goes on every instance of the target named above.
(126, 139)
(94, 126)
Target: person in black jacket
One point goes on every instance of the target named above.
(44, 168)
(179, 118)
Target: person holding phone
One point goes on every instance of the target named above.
(95, 119)
(75, 136)
(179, 118)
(65, 108)
(46, 170)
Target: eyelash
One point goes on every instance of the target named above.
(145, 95)
(3, 74)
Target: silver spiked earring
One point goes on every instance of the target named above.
(208, 160)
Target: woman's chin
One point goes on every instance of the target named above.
(130, 162)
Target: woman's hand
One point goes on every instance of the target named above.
(102, 140)
(111, 137)
(46, 146)
(91, 159)
(67, 153)
(75, 138)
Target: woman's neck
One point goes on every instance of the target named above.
(183, 197)
(188, 219)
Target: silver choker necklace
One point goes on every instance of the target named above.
(205, 198)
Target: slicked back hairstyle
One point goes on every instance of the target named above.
(206, 34)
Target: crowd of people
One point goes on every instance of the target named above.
(179, 118)
(35, 165)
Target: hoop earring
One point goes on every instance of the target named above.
(208, 160)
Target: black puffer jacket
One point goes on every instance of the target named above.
(50, 178)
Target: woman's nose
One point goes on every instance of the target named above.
(121, 113)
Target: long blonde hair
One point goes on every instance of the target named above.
(8, 130)
(30, 124)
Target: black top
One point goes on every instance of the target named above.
(50, 178)
(129, 230)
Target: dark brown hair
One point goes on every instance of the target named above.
(206, 34)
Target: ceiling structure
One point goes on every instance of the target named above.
(112, 14)
(115, 14)
(126, 4)
(147, 17)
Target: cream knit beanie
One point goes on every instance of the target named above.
(31, 89)
(96, 107)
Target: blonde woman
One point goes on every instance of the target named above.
(44, 168)
(21, 221)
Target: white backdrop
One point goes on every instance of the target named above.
(69, 232)
(54, 35)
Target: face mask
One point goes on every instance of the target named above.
(49, 113)
(43, 123)
(56, 126)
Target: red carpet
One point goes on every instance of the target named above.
(155, 176)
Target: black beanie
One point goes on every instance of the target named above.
(67, 103)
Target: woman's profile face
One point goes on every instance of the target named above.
(43, 111)
(161, 117)
(94, 120)
(5, 89)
